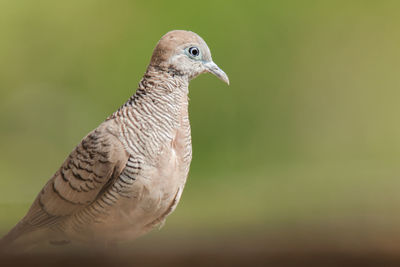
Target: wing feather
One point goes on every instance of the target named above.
(85, 175)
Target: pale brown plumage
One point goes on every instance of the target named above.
(128, 174)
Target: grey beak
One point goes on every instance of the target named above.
(214, 69)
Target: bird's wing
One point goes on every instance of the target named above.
(93, 165)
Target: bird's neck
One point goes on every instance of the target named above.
(163, 80)
(158, 114)
(162, 88)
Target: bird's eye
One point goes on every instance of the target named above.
(194, 51)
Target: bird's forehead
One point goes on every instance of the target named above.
(174, 39)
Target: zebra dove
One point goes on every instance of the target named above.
(127, 175)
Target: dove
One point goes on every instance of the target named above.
(127, 175)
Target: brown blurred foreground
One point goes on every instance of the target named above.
(221, 251)
(209, 258)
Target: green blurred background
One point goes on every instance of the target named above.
(303, 145)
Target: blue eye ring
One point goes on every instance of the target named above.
(193, 51)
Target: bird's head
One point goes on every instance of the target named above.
(186, 54)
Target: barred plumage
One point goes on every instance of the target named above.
(127, 175)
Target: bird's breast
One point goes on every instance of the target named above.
(157, 188)
(161, 147)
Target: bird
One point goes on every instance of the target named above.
(127, 175)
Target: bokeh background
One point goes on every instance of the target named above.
(300, 152)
